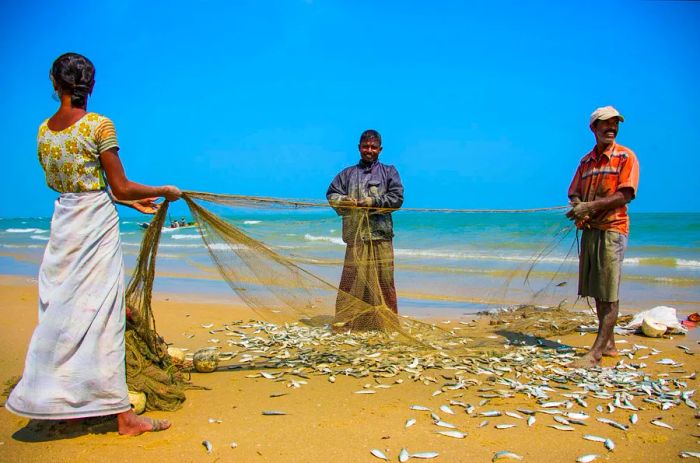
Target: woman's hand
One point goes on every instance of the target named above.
(171, 193)
(146, 205)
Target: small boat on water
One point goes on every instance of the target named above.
(145, 225)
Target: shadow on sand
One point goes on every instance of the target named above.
(51, 430)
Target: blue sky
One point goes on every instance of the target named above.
(480, 104)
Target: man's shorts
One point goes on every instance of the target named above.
(600, 264)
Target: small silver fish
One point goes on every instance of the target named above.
(552, 404)
(686, 454)
(514, 415)
(661, 424)
(207, 445)
(403, 455)
(444, 424)
(366, 391)
(666, 362)
(379, 454)
(273, 413)
(593, 438)
(409, 422)
(446, 409)
(505, 454)
(505, 426)
(419, 408)
(609, 444)
(634, 418)
(561, 427)
(531, 420)
(612, 423)
(561, 420)
(586, 458)
(455, 434)
(483, 423)
(491, 413)
(425, 455)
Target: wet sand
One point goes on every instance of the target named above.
(325, 421)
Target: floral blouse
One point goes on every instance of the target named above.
(71, 157)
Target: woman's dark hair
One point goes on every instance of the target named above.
(74, 74)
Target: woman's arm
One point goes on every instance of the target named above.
(124, 189)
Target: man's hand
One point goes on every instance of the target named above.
(366, 202)
(346, 201)
(146, 205)
(581, 212)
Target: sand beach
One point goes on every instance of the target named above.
(329, 421)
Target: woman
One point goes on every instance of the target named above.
(75, 363)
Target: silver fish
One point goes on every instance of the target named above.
(514, 415)
(505, 426)
(455, 434)
(425, 455)
(366, 391)
(491, 413)
(666, 362)
(552, 404)
(634, 418)
(609, 444)
(207, 445)
(403, 455)
(661, 424)
(273, 412)
(446, 409)
(561, 427)
(686, 454)
(409, 422)
(612, 423)
(531, 420)
(593, 438)
(419, 408)
(444, 424)
(586, 458)
(561, 420)
(379, 454)
(483, 423)
(577, 416)
(505, 454)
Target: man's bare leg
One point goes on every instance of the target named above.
(604, 342)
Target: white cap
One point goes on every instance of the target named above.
(604, 113)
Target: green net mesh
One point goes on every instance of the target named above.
(306, 318)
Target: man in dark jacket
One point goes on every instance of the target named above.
(365, 195)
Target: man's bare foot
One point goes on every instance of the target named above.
(610, 352)
(130, 424)
(586, 361)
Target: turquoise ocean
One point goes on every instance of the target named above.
(445, 262)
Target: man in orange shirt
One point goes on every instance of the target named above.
(605, 181)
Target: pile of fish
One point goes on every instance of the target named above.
(567, 399)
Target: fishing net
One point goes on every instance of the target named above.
(330, 307)
(149, 368)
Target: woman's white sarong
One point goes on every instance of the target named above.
(75, 363)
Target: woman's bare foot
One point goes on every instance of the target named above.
(588, 360)
(130, 424)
